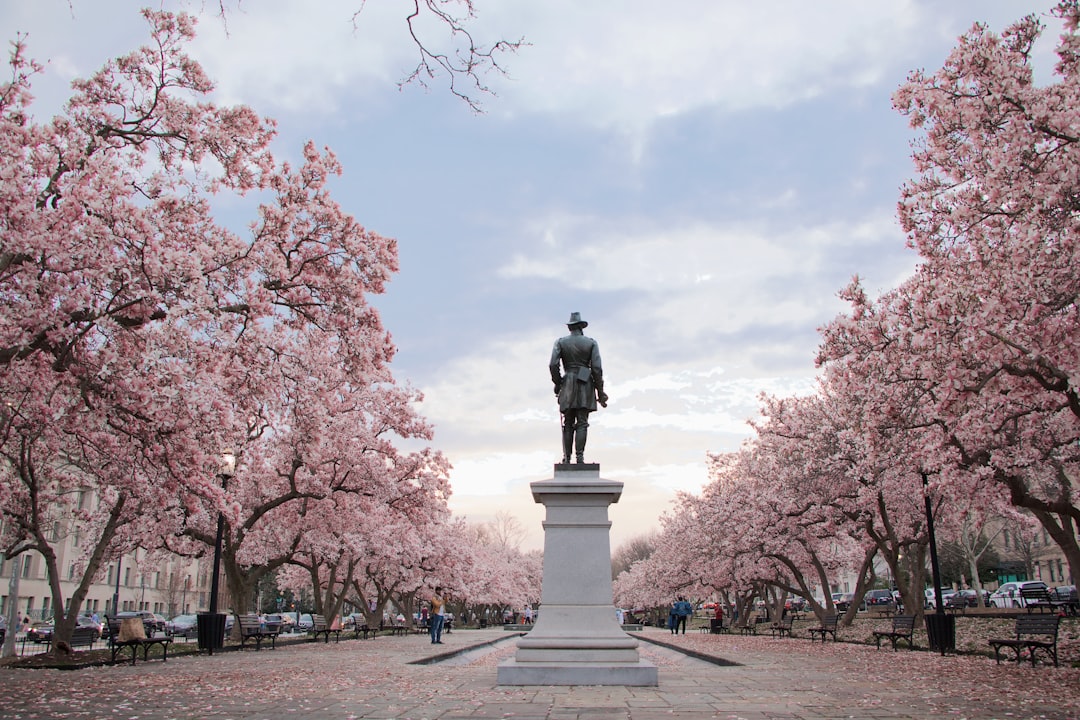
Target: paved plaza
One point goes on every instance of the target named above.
(772, 679)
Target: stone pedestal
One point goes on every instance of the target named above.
(577, 639)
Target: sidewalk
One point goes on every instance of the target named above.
(774, 679)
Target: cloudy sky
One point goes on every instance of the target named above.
(698, 178)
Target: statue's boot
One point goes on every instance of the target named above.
(567, 444)
(581, 436)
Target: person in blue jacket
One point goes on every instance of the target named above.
(682, 611)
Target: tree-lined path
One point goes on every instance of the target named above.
(775, 678)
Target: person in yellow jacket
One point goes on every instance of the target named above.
(438, 603)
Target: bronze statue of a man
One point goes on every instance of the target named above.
(579, 386)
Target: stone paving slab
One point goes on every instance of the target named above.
(779, 680)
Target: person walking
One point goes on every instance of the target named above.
(438, 603)
(683, 610)
(672, 617)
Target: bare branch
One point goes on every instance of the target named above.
(465, 64)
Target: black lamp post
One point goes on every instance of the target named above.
(116, 592)
(212, 623)
(940, 627)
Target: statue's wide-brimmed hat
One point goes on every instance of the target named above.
(575, 319)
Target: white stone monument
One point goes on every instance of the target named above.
(577, 639)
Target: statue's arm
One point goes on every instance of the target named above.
(553, 366)
(598, 375)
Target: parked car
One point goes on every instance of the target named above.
(1008, 595)
(152, 622)
(970, 598)
(282, 620)
(795, 604)
(931, 598)
(877, 600)
(305, 623)
(87, 621)
(40, 632)
(1065, 593)
(843, 602)
(185, 626)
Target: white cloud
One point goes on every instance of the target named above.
(699, 276)
(304, 57)
(617, 64)
(627, 63)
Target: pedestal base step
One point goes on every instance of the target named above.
(641, 674)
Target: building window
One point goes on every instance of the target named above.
(127, 577)
(26, 566)
(109, 580)
(71, 571)
(1061, 571)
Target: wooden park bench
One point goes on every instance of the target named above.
(1033, 632)
(319, 626)
(1040, 598)
(827, 627)
(782, 626)
(80, 636)
(116, 645)
(903, 628)
(361, 628)
(253, 628)
(84, 636)
(1072, 602)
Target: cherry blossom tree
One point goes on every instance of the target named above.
(803, 536)
(993, 217)
(142, 338)
(502, 577)
(109, 271)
